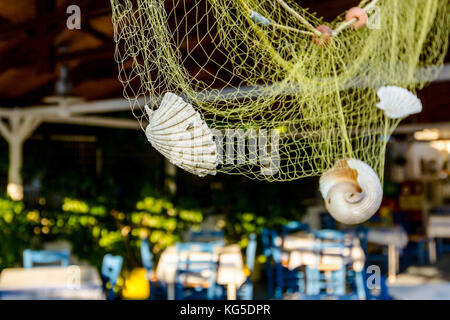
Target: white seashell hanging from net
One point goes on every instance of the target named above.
(352, 191)
(178, 131)
(398, 102)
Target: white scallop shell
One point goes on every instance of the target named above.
(398, 102)
(178, 131)
(352, 191)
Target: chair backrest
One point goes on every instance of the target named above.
(327, 234)
(329, 239)
(46, 257)
(251, 252)
(294, 226)
(270, 248)
(111, 267)
(207, 236)
(268, 239)
(146, 255)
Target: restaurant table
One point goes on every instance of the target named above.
(298, 250)
(230, 270)
(438, 227)
(51, 283)
(428, 291)
(395, 239)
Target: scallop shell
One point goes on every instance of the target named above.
(398, 102)
(352, 191)
(179, 133)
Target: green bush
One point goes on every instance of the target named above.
(92, 229)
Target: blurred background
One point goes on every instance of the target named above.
(77, 172)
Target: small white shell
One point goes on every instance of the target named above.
(398, 102)
(177, 130)
(352, 191)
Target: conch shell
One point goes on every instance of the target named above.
(352, 191)
(398, 102)
(179, 133)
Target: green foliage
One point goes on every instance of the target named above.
(241, 225)
(92, 229)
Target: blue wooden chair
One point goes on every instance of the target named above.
(188, 266)
(158, 289)
(268, 237)
(294, 226)
(46, 257)
(146, 255)
(279, 278)
(316, 280)
(111, 267)
(207, 236)
(245, 292)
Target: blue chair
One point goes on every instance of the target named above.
(268, 237)
(46, 257)
(207, 236)
(330, 235)
(316, 280)
(245, 292)
(294, 226)
(158, 290)
(188, 266)
(279, 278)
(146, 255)
(111, 267)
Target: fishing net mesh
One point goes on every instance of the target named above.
(292, 107)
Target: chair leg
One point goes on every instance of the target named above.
(179, 292)
(270, 280)
(440, 247)
(421, 252)
(339, 281)
(360, 288)
(111, 294)
(312, 281)
(278, 281)
(301, 282)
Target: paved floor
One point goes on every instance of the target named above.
(430, 282)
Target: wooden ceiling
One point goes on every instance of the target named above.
(35, 42)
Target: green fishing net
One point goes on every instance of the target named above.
(257, 71)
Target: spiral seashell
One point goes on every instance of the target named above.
(352, 191)
(179, 133)
(398, 102)
(360, 15)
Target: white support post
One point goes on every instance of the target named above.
(15, 185)
(20, 128)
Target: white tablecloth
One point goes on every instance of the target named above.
(439, 226)
(48, 283)
(298, 250)
(230, 265)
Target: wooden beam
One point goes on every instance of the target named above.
(108, 122)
